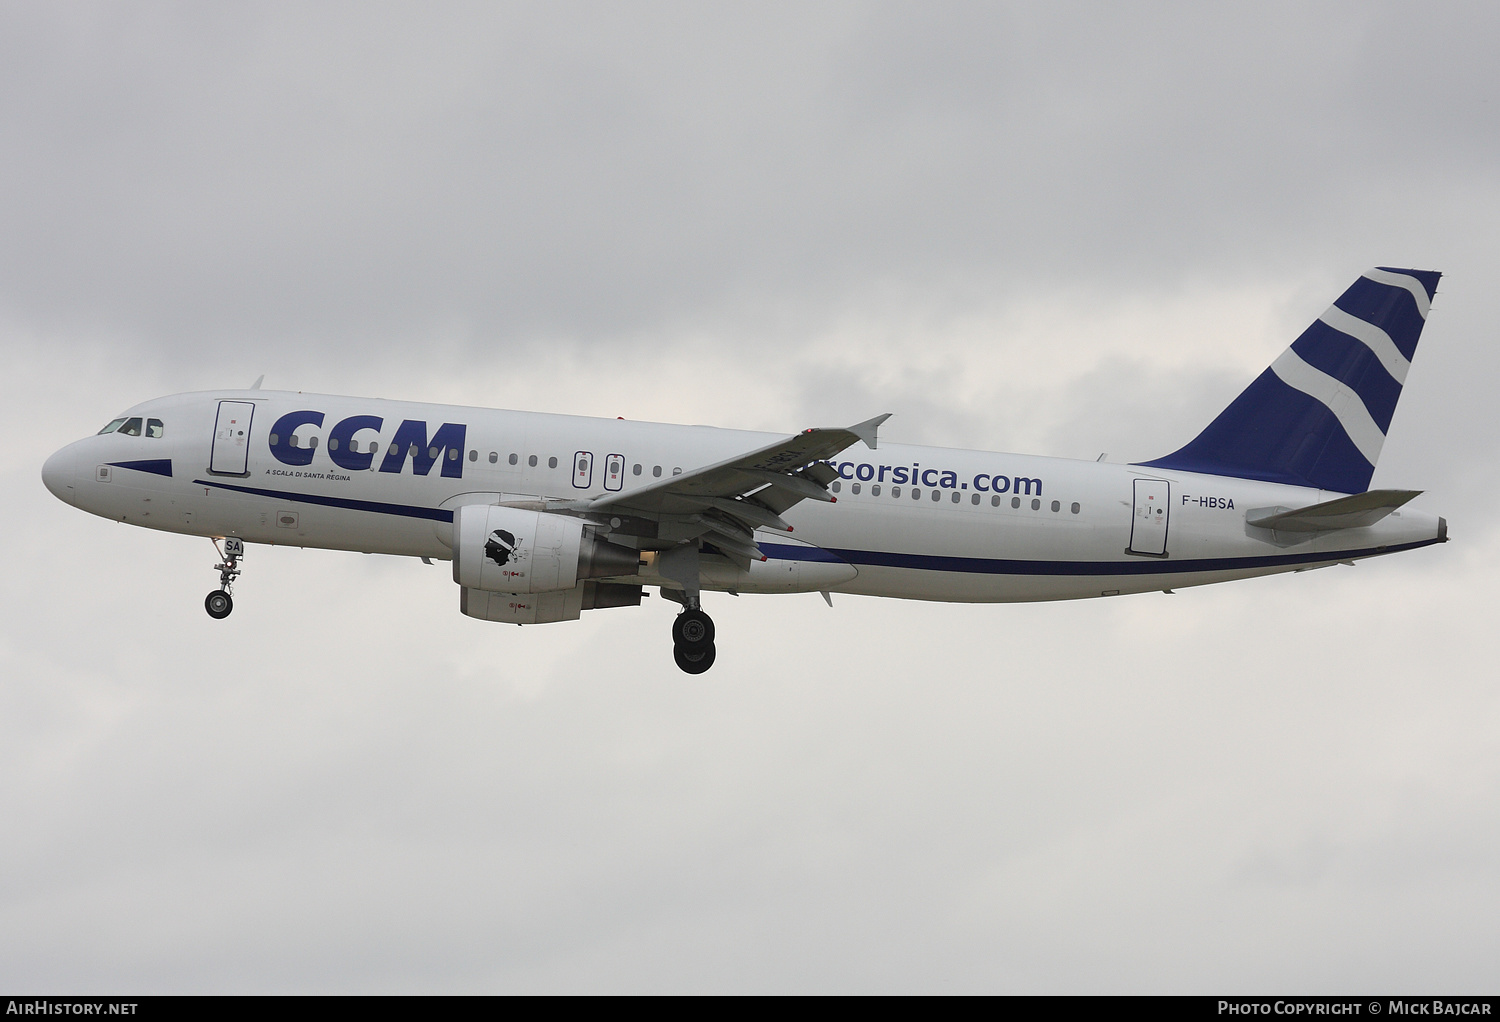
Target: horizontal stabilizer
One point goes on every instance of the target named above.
(1356, 512)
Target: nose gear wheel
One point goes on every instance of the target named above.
(220, 603)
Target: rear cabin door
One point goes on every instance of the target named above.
(1148, 529)
(231, 451)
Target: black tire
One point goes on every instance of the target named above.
(693, 628)
(218, 604)
(695, 659)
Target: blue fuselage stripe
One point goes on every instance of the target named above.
(156, 466)
(435, 514)
(1134, 566)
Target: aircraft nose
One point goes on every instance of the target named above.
(58, 474)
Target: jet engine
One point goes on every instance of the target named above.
(507, 550)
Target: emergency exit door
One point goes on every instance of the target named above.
(614, 471)
(583, 470)
(1153, 507)
(231, 451)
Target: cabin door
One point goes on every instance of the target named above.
(1153, 506)
(231, 451)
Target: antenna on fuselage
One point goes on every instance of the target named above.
(258, 381)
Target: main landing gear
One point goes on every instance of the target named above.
(693, 631)
(693, 641)
(219, 603)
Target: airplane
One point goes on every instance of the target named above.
(545, 516)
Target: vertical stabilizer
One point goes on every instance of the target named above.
(1319, 415)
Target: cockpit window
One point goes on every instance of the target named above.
(154, 428)
(132, 427)
(113, 425)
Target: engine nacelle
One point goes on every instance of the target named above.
(507, 550)
(541, 608)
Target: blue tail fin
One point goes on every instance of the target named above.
(1319, 415)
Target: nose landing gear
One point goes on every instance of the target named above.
(219, 603)
(693, 641)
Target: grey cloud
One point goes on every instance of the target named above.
(276, 175)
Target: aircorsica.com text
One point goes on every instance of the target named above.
(938, 478)
(1437, 1007)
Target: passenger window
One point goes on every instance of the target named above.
(292, 441)
(333, 444)
(1056, 506)
(1015, 502)
(916, 494)
(956, 497)
(473, 455)
(834, 486)
(453, 454)
(494, 457)
(677, 471)
(875, 490)
(531, 461)
(636, 470)
(974, 500)
(113, 425)
(312, 442)
(132, 427)
(854, 488)
(551, 462)
(154, 428)
(1075, 507)
(656, 471)
(936, 496)
(1036, 505)
(514, 458)
(994, 502)
(394, 450)
(895, 491)
(273, 439)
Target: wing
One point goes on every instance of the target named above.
(725, 503)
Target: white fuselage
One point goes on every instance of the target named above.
(911, 522)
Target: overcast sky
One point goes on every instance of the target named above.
(1055, 229)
